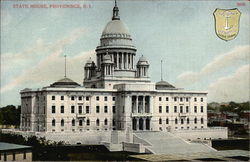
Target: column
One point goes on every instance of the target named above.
(122, 61)
(136, 104)
(144, 123)
(137, 123)
(132, 61)
(150, 104)
(117, 60)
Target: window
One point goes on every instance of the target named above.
(195, 109)
(72, 109)
(53, 122)
(97, 98)
(53, 98)
(186, 99)
(105, 98)
(105, 109)
(202, 120)
(73, 122)
(166, 98)
(195, 99)
(87, 98)
(97, 122)
(87, 109)
(97, 109)
(80, 98)
(181, 109)
(176, 121)
(72, 98)
(195, 120)
(175, 99)
(187, 120)
(201, 99)
(160, 121)
(167, 109)
(202, 109)
(62, 109)
(113, 99)
(113, 122)
(187, 109)
(113, 109)
(181, 99)
(182, 121)
(167, 122)
(62, 97)
(159, 98)
(160, 109)
(106, 122)
(80, 109)
(80, 122)
(175, 109)
(53, 109)
(62, 122)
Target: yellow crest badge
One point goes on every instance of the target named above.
(227, 23)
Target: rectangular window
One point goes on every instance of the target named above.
(72, 98)
(80, 109)
(97, 98)
(166, 98)
(186, 99)
(105, 109)
(53, 97)
(187, 109)
(201, 99)
(159, 98)
(181, 109)
(181, 99)
(87, 109)
(62, 97)
(175, 99)
(167, 109)
(113, 109)
(202, 109)
(53, 109)
(195, 99)
(160, 109)
(113, 99)
(80, 98)
(62, 109)
(105, 98)
(175, 109)
(87, 98)
(195, 109)
(72, 109)
(97, 109)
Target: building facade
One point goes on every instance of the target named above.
(116, 94)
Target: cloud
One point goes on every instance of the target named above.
(233, 57)
(50, 68)
(234, 87)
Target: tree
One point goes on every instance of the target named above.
(10, 115)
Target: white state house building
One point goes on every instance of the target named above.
(117, 105)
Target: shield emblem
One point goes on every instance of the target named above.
(227, 23)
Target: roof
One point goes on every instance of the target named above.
(163, 85)
(142, 61)
(65, 82)
(115, 27)
(9, 146)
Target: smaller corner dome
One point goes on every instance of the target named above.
(115, 27)
(65, 82)
(142, 61)
(107, 59)
(162, 85)
(88, 63)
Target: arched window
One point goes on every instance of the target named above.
(97, 122)
(53, 122)
(87, 122)
(106, 122)
(62, 122)
(202, 120)
(187, 120)
(160, 121)
(80, 122)
(176, 121)
(73, 122)
(195, 120)
(167, 121)
(182, 121)
(113, 122)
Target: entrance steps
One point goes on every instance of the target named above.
(167, 143)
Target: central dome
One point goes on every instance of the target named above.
(115, 27)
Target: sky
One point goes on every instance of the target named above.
(181, 33)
